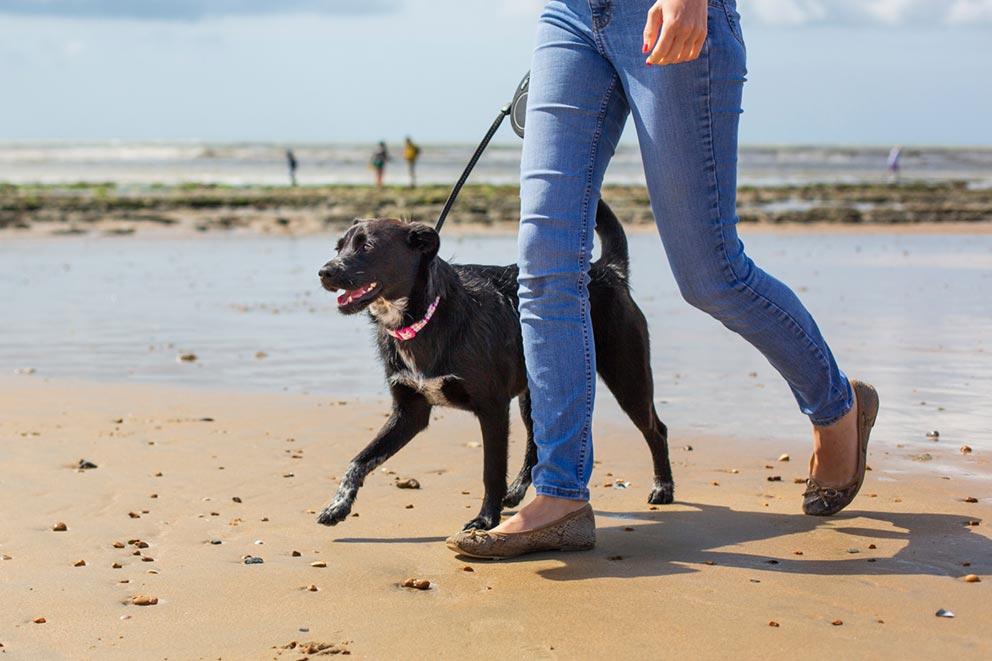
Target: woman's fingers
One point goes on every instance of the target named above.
(651, 28)
(682, 29)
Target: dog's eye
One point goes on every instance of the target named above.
(340, 245)
(367, 246)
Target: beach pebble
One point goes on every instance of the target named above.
(468, 569)
(971, 499)
(236, 499)
(872, 546)
(85, 464)
(774, 478)
(799, 480)
(144, 600)
(783, 457)
(933, 434)
(965, 449)
(125, 617)
(186, 358)
(116, 565)
(320, 564)
(853, 550)
(60, 527)
(296, 554)
(417, 583)
(408, 484)
(621, 484)
(687, 448)
(311, 588)
(134, 515)
(837, 623)
(39, 620)
(972, 523)
(972, 578)
(253, 560)
(79, 563)
(261, 355)
(216, 542)
(118, 545)
(943, 612)
(773, 623)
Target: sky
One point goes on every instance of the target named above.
(846, 72)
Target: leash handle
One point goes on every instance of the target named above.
(503, 112)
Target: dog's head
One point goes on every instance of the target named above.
(378, 259)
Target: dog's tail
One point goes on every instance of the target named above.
(613, 240)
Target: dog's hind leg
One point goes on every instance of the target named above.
(495, 424)
(411, 415)
(518, 489)
(623, 361)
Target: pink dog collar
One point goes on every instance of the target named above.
(410, 332)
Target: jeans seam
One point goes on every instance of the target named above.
(583, 269)
(736, 280)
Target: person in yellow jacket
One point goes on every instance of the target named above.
(411, 152)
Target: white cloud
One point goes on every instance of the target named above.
(867, 12)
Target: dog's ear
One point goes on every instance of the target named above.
(423, 238)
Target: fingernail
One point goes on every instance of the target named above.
(644, 48)
(648, 63)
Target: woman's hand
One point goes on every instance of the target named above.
(682, 24)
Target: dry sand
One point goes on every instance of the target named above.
(699, 579)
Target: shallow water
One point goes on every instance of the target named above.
(911, 313)
(146, 163)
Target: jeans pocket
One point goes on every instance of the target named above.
(733, 21)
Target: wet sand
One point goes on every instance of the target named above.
(702, 578)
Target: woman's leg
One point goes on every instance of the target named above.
(686, 117)
(575, 113)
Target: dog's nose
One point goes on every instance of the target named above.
(324, 273)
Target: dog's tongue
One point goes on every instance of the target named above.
(351, 294)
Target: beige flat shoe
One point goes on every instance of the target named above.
(572, 532)
(824, 501)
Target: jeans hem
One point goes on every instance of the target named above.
(560, 492)
(831, 417)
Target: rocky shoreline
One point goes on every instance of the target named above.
(112, 209)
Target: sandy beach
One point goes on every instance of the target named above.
(189, 481)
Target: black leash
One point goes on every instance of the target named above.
(516, 109)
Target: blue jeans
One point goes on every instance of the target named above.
(587, 75)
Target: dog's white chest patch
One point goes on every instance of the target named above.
(389, 313)
(430, 387)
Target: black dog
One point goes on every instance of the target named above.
(469, 354)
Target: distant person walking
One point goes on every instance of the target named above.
(894, 155)
(378, 162)
(411, 152)
(292, 164)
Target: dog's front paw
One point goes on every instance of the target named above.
(482, 522)
(334, 513)
(515, 494)
(662, 494)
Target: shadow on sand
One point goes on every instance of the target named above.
(671, 542)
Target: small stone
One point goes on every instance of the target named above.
(216, 542)
(236, 499)
(416, 583)
(60, 527)
(687, 448)
(408, 484)
(783, 457)
(774, 478)
(296, 554)
(799, 480)
(797, 553)
(965, 449)
(144, 600)
(971, 499)
(116, 565)
(79, 563)
(872, 546)
(39, 620)
(85, 464)
(972, 523)
(186, 358)
(259, 355)
(253, 560)
(773, 623)
(118, 545)
(468, 569)
(409, 507)
(320, 564)
(837, 623)
(853, 550)
(972, 578)
(134, 515)
(715, 483)
(311, 588)
(943, 612)
(933, 435)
